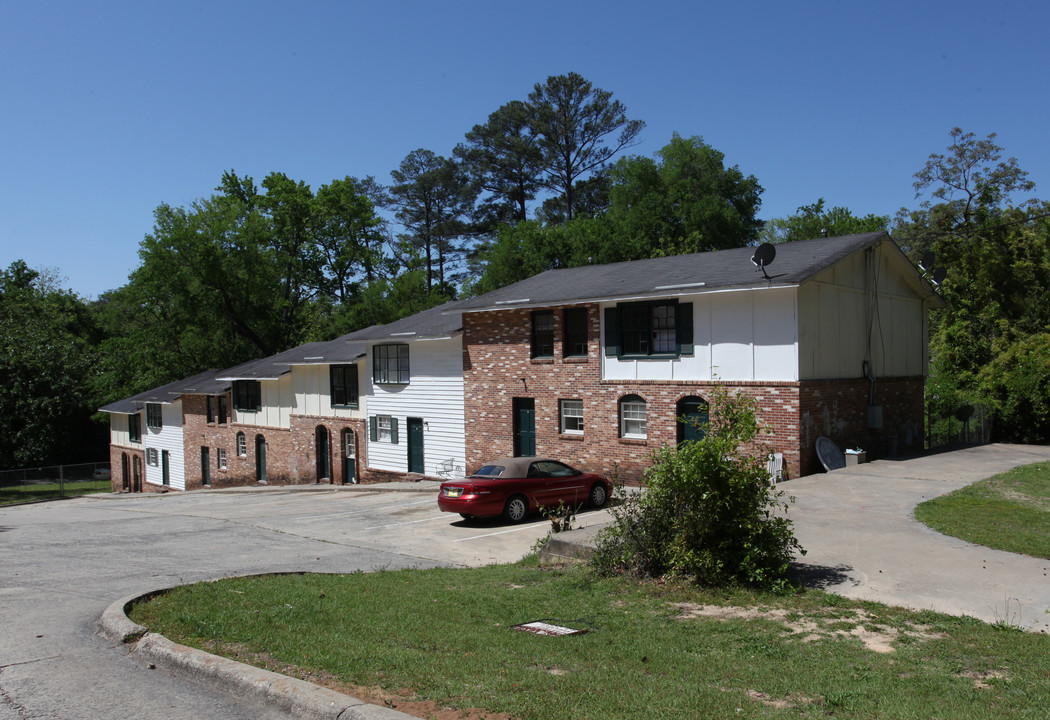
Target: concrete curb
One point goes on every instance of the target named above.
(299, 698)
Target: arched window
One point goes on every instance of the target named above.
(242, 445)
(692, 415)
(632, 417)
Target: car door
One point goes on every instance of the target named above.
(560, 483)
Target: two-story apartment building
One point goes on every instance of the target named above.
(599, 364)
(365, 407)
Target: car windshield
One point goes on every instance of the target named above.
(489, 471)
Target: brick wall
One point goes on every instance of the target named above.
(838, 409)
(498, 368)
(116, 478)
(291, 454)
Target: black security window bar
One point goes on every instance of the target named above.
(543, 334)
(575, 344)
(390, 365)
(247, 395)
(648, 329)
(154, 417)
(344, 386)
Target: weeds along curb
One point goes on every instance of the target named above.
(301, 699)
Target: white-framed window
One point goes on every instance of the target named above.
(151, 457)
(221, 458)
(390, 365)
(572, 417)
(383, 428)
(632, 417)
(242, 445)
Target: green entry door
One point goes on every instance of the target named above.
(524, 427)
(415, 445)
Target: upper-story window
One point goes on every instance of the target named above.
(154, 417)
(135, 428)
(543, 333)
(247, 395)
(575, 328)
(644, 329)
(343, 383)
(216, 409)
(390, 364)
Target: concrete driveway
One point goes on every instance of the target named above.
(66, 561)
(863, 542)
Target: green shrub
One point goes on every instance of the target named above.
(708, 512)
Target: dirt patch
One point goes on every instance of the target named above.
(788, 703)
(865, 627)
(980, 679)
(401, 700)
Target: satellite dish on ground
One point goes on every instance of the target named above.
(764, 255)
(829, 454)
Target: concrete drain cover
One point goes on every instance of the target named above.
(544, 628)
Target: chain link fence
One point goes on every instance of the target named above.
(966, 424)
(53, 481)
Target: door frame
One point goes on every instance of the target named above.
(416, 453)
(524, 432)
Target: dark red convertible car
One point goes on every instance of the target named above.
(514, 487)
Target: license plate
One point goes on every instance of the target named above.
(453, 492)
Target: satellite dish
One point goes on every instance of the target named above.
(829, 454)
(938, 276)
(926, 263)
(764, 255)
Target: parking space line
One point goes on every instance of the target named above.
(429, 501)
(407, 522)
(501, 532)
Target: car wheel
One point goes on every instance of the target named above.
(598, 496)
(516, 509)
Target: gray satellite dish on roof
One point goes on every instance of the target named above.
(764, 255)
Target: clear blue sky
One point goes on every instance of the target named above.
(108, 109)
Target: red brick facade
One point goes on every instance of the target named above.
(498, 369)
(291, 454)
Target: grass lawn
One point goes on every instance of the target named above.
(441, 638)
(44, 491)
(1009, 512)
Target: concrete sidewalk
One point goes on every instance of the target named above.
(863, 541)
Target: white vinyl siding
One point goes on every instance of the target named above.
(839, 306)
(312, 392)
(170, 438)
(278, 403)
(118, 430)
(435, 395)
(740, 335)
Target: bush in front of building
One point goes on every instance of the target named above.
(708, 512)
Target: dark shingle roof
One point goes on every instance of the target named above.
(443, 321)
(674, 275)
(205, 383)
(335, 351)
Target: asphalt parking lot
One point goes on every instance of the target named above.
(66, 561)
